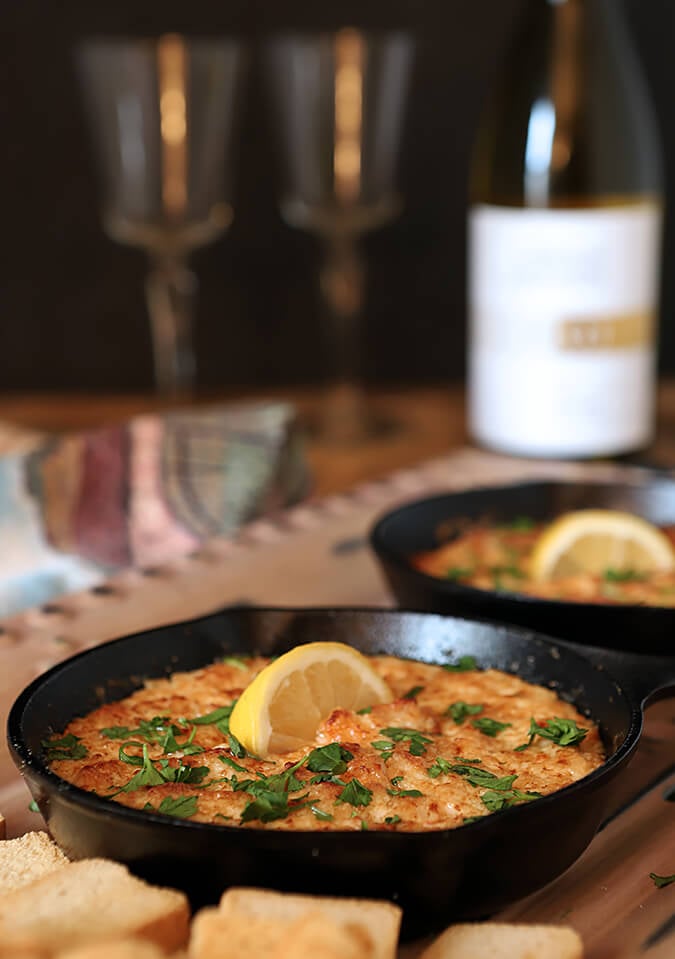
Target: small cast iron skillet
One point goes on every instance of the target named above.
(436, 876)
(424, 524)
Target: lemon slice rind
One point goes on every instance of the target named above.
(281, 709)
(592, 541)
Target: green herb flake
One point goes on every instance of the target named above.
(404, 792)
(468, 819)
(661, 881)
(457, 573)
(320, 814)
(489, 727)
(228, 761)
(495, 800)
(417, 741)
(364, 826)
(332, 758)
(64, 747)
(413, 693)
(392, 820)
(235, 661)
(460, 710)
(269, 806)
(33, 806)
(623, 576)
(519, 524)
(236, 747)
(355, 793)
(463, 665)
(182, 807)
(562, 732)
(440, 767)
(364, 711)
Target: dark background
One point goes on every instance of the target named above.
(72, 314)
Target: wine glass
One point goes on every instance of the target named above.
(162, 112)
(338, 101)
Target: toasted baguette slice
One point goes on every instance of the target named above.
(124, 949)
(501, 940)
(242, 937)
(28, 858)
(92, 901)
(319, 937)
(370, 914)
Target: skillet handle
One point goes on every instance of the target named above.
(645, 679)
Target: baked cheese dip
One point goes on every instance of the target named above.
(500, 558)
(456, 744)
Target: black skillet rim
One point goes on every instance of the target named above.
(96, 804)
(384, 551)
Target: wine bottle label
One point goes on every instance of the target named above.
(562, 328)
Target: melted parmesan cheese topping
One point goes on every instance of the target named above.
(413, 764)
(497, 558)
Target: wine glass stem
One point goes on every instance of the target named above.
(342, 286)
(170, 292)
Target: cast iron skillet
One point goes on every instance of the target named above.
(435, 876)
(421, 525)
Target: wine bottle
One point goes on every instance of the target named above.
(565, 240)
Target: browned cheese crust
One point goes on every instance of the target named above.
(497, 558)
(417, 777)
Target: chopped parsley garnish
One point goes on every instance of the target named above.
(481, 777)
(456, 573)
(236, 747)
(623, 576)
(417, 740)
(220, 718)
(489, 727)
(234, 661)
(33, 806)
(228, 761)
(320, 814)
(513, 571)
(460, 710)
(182, 807)
(439, 767)
(364, 826)
(364, 711)
(468, 819)
(518, 524)
(661, 881)
(332, 758)
(395, 791)
(503, 799)
(355, 793)
(158, 730)
(413, 693)
(64, 747)
(268, 806)
(385, 747)
(392, 820)
(563, 732)
(151, 774)
(463, 665)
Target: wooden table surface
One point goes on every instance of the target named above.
(428, 421)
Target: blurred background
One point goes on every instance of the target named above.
(71, 300)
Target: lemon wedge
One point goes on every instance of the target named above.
(283, 706)
(595, 540)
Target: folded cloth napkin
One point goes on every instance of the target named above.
(80, 506)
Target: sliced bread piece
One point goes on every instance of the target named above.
(319, 937)
(279, 907)
(123, 949)
(213, 935)
(89, 902)
(27, 858)
(501, 940)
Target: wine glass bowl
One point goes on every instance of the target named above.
(339, 102)
(161, 112)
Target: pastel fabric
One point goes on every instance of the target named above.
(81, 506)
